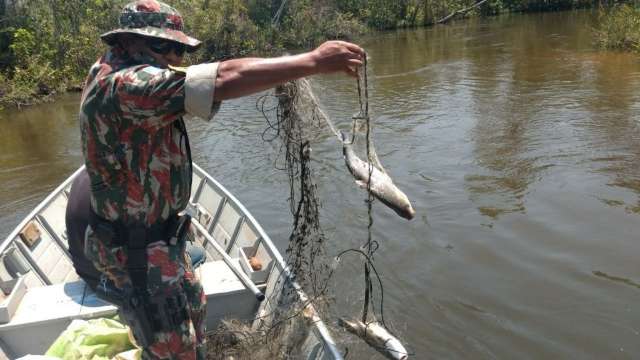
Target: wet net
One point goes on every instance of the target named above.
(283, 326)
(284, 323)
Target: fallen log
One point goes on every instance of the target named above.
(462, 11)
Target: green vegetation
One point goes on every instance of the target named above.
(619, 28)
(47, 46)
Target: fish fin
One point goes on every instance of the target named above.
(362, 184)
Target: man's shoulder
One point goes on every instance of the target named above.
(149, 72)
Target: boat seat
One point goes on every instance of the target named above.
(227, 297)
(107, 291)
(45, 312)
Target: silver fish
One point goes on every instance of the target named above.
(378, 337)
(382, 186)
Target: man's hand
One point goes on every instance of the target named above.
(338, 56)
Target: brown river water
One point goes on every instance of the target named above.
(519, 146)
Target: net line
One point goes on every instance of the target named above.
(299, 121)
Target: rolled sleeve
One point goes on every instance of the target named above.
(200, 86)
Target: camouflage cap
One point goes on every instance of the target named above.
(154, 19)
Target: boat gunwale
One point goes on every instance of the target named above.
(38, 209)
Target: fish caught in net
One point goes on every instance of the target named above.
(289, 312)
(301, 297)
(300, 119)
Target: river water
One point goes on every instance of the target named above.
(519, 146)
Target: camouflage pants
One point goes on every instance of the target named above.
(168, 269)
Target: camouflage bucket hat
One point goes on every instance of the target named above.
(153, 19)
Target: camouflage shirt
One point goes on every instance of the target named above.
(133, 135)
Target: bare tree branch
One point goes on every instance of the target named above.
(453, 14)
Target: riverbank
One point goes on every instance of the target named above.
(46, 47)
(619, 28)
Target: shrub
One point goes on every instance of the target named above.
(619, 28)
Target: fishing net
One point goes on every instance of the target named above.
(285, 321)
(299, 118)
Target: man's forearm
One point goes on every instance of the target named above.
(240, 77)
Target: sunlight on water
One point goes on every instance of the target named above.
(517, 143)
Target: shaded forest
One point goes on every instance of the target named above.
(46, 46)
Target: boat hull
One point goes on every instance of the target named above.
(40, 262)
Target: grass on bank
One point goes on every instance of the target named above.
(619, 28)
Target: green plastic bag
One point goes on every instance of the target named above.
(95, 339)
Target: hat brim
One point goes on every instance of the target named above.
(167, 34)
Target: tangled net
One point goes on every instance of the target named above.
(284, 328)
(299, 117)
(286, 325)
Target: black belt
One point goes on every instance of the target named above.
(136, 238)
(120, 233)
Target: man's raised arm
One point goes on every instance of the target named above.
(244, 76)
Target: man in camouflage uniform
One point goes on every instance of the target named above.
(139, 163)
